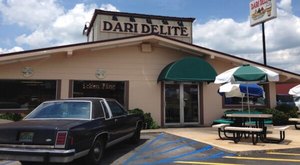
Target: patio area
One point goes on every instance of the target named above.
(210, 136)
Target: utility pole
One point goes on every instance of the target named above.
(264, 43)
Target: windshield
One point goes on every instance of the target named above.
(62, 110)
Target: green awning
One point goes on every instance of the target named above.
(188, 69)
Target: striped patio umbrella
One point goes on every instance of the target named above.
(247, 74)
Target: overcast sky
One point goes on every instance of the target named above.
(222, 25)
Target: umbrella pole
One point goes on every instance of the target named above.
(248, 103)
(242, 102)
(248, 100)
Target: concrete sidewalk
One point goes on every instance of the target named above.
(210, 136)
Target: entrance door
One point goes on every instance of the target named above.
(181, 104)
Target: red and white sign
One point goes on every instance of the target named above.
(262, 11)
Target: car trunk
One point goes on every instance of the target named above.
(33, 132)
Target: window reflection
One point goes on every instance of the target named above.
(26, 94)
(104, 89)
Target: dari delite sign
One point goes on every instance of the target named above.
(262, 11)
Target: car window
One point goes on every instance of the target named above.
(97, 110)
(62, 110)
(116, 109)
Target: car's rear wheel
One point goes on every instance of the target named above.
(96, 152)
(137, 135)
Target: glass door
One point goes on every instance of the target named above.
(172, 103)
(181, 104)
(190, 101)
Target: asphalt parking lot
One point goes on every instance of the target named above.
(162, 148)
(167, 149)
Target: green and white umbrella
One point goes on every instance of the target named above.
(247, 74)
(295, 91)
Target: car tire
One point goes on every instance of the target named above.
(96, 152)
(137, 135)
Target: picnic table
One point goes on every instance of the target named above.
(243, 119)
(229, 120)
(251, 124)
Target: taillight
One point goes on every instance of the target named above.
(61, 138)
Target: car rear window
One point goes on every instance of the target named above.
(62, 110)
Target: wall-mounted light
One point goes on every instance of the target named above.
(114, 17)
(100, 73)
(131, 19)
(180, 23)
(165, 22)
(27, 71)
(148, 20)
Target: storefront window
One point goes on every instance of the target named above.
(239, 102)
(26, 94)
(105, 89)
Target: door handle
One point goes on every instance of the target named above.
(116, 120)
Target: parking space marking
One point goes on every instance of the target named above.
(143, 149)
(173, 158)
(204, 163)
(283, 153)
(213, 156)
(170, 150)
(149, 147)
(7, 162)
(171, 142)
(165, 149)
(264, 159)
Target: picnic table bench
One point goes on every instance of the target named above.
(296, 122)
(282, 130)
(221, 130)
(254, 132)
(238, 132)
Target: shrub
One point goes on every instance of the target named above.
(11, 116)
(150, 123)
(286, 108)
(136, 111)
(284, 113)
(291, 111)
(266, 111)
(280, 118)
(148, 120)
(281, 114)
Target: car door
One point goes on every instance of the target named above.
(119, 116)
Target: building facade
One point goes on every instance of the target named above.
(143, 61)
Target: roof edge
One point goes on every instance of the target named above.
(154, 36)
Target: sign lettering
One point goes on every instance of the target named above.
(141, 28)
(262, 10)
(99, 86)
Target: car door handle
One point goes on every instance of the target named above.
(116, 120)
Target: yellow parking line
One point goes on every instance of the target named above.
(205, 163)
(267, 159)
(282, 153)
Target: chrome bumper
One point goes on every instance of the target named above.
(37, 155)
